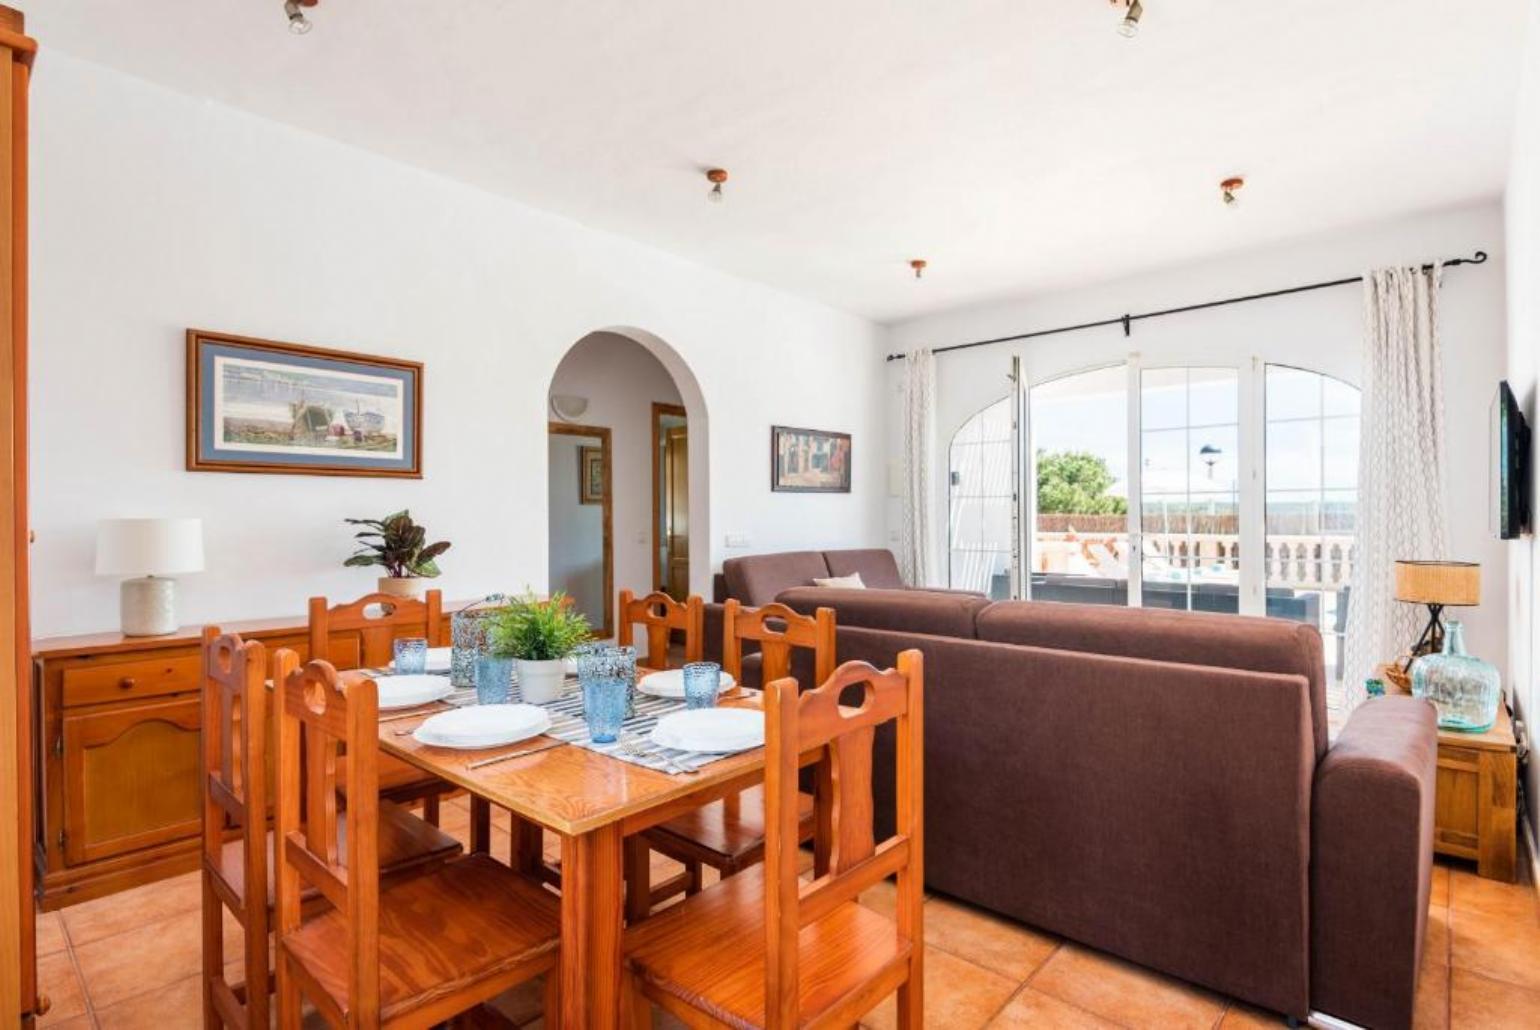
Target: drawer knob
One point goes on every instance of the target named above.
(127, 683)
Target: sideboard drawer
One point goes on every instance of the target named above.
(126, 681)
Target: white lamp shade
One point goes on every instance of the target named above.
(149, 547)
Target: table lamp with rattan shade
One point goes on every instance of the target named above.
(150, 550)
(1437, 584)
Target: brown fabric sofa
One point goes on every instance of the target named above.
(1159, 785)
(758, 579)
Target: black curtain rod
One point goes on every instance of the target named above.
(1127, 321)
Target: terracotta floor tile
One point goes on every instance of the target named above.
(50, 933)
(73, 1023)
(56, 978)
(958, 995)
(1123, 992)
(1430, 1011)
(1476, 1001)
(1034, 1009)
(1435, 943)
(881, 897)
(1439, 894)
(178, 1005)
(149, 958)
(1244, 1017)
(984, 939)
(131, 909)
(1471, 893)
(1500, 947)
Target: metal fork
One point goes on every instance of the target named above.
(635, 749)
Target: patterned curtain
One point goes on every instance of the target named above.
(1401, 473)
(914, 558)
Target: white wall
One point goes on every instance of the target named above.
(153, 211)
(576, 559)
(621, 380)
(1522, 211)
(1321, 330)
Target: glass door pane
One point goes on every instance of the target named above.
(1190, 488)
(981, 499)
(1079, 549)
(1311, 476)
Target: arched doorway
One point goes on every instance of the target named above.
(627, 475)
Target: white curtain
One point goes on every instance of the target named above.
(914, 558)
(1401, 472)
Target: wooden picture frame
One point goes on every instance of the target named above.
(591, 475)
(809, 461)
(361, 416)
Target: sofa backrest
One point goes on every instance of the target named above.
(898, 611)
(876, 565)
(1192, 638)
(756, 579)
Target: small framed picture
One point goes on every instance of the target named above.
(809, 461)
(590, 475)
(263, 406)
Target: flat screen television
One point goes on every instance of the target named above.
(1509, 508)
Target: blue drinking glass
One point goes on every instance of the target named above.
(702, 683)
(494, 680)
(604, 707)
(411, 654)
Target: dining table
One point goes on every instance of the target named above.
(592, 801)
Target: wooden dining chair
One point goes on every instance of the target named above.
(410, 954)
(663, 616)
(236, 731)
(729, 835)
(361, 635)
(765, 949)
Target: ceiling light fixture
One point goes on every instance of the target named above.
(298, 23)
(1229, 188)
(1129, 26)
(717, 176)
(918, 264)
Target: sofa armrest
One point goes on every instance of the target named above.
(1371, 862)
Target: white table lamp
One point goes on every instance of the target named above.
(149, 549)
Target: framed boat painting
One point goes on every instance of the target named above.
(262, 406)
(809, 461)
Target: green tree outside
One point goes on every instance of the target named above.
(1075, 483)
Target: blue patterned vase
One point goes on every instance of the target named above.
(1465, 690)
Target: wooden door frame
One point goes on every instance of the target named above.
(659, 409)
(603, 433)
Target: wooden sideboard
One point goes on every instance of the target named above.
(1476, 807)
(116, 739)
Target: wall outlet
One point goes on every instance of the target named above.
(737, 540)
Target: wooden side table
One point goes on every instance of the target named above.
(1475, 807)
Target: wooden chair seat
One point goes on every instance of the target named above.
(726, 841)
(708, 951)
(407, 844)
(485, 920)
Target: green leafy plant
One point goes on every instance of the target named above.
(1076, 483)
(398, 544)
(538, 631)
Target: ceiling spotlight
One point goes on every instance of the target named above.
(298, 23)
(1129, 26)
(1229, 188)
(717, 176)
(918, 264)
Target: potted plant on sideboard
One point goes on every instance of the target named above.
(400, 546)
(539, 635)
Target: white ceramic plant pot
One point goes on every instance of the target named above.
(405, 586)
(541, 683)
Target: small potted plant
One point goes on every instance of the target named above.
(400, 546)
(539, 635)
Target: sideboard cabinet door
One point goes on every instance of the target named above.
(130, 778)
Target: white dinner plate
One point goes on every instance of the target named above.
(479, 726)
(439, 659)
(670, 683)
(406, 691)
(712, 730)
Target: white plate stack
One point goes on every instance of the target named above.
(716, 731)
(670, 683)
(482, 726)
(406, 691)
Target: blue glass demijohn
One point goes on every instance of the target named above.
(1465, 690)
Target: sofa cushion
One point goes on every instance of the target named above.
(1193, 638)
(877, 567)
(757, 579)
(898, 611)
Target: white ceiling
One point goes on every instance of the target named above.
(1018, 145)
